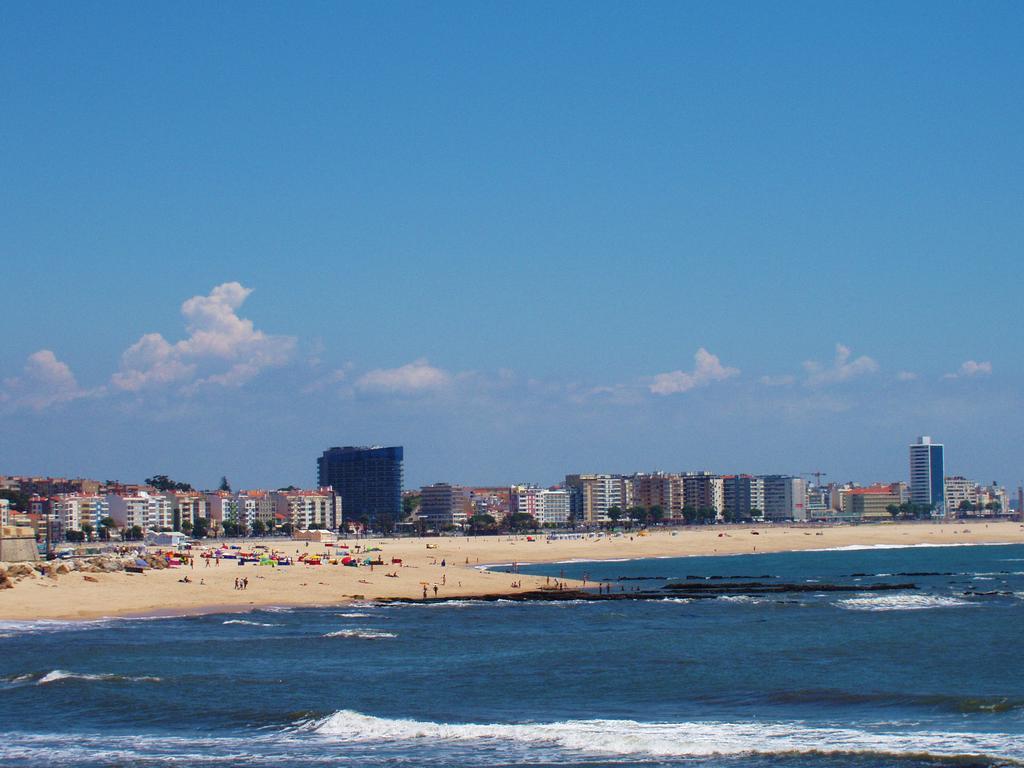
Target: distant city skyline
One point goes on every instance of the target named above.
(520, 242)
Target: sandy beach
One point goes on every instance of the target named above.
(159, 592)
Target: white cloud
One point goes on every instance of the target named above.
(415, 377)
(842, 368)
(971, 368)
(777, 381)
(218, 337)
(45, 381)
(707, 368)
(906, 376)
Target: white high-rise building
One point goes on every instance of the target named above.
(593, 495)
(71, 511)
(927, 475)
(149, 512)
(546, 506)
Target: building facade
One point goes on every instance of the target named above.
(659, 489)
(785, 497)
(743, 496)
(548, 506)
(147, 511)
(927, 475)
(443, 505)
(308, 510)
(704, 490)
(871, 504)
(368, 480)
(593, 495)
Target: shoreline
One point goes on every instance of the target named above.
(465, 572)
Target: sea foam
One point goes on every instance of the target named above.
(362, 634)
(683, 739)
(58, 675)
(902, 603)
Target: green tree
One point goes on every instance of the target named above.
(481, 522)
(259, 528)
(107, 524)
(186, 527)
(657, 514)
(200, 528)
(521, 521)
(614, 515)
(19, 499)
(224, 484)
(689, 515)
(87, 531)
(639, 514)
(164, 483)
(410, 503)
(286, 528)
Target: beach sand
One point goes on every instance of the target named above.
(159, 592)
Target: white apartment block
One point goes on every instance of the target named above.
(5, 511)
(546, 506)
(958, 491)
(593, 495)
(307, 510)
(147, 511)
(253, 506)
(71, 511)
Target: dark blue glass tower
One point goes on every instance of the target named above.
(369, 482)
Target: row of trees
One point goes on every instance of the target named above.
(633, 516)
(908, 510)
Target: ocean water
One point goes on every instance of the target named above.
(914, 678)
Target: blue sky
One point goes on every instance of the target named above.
(519, 239)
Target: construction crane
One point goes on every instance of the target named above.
(816, 475)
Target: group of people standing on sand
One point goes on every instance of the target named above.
(242, 583)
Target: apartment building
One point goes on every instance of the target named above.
(443, 505)
(659, 489)
(73, 510)
(593, 495)
(743, 496)
(546, 505)
(308, 510)
(785, 497)
(186, 507)
(704, 490)
(148, 511)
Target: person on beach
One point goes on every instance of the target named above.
(435, 590)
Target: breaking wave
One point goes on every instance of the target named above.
(685, 739)
(362, 634)
(250, 623)
(902, 603)
(59, 675)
